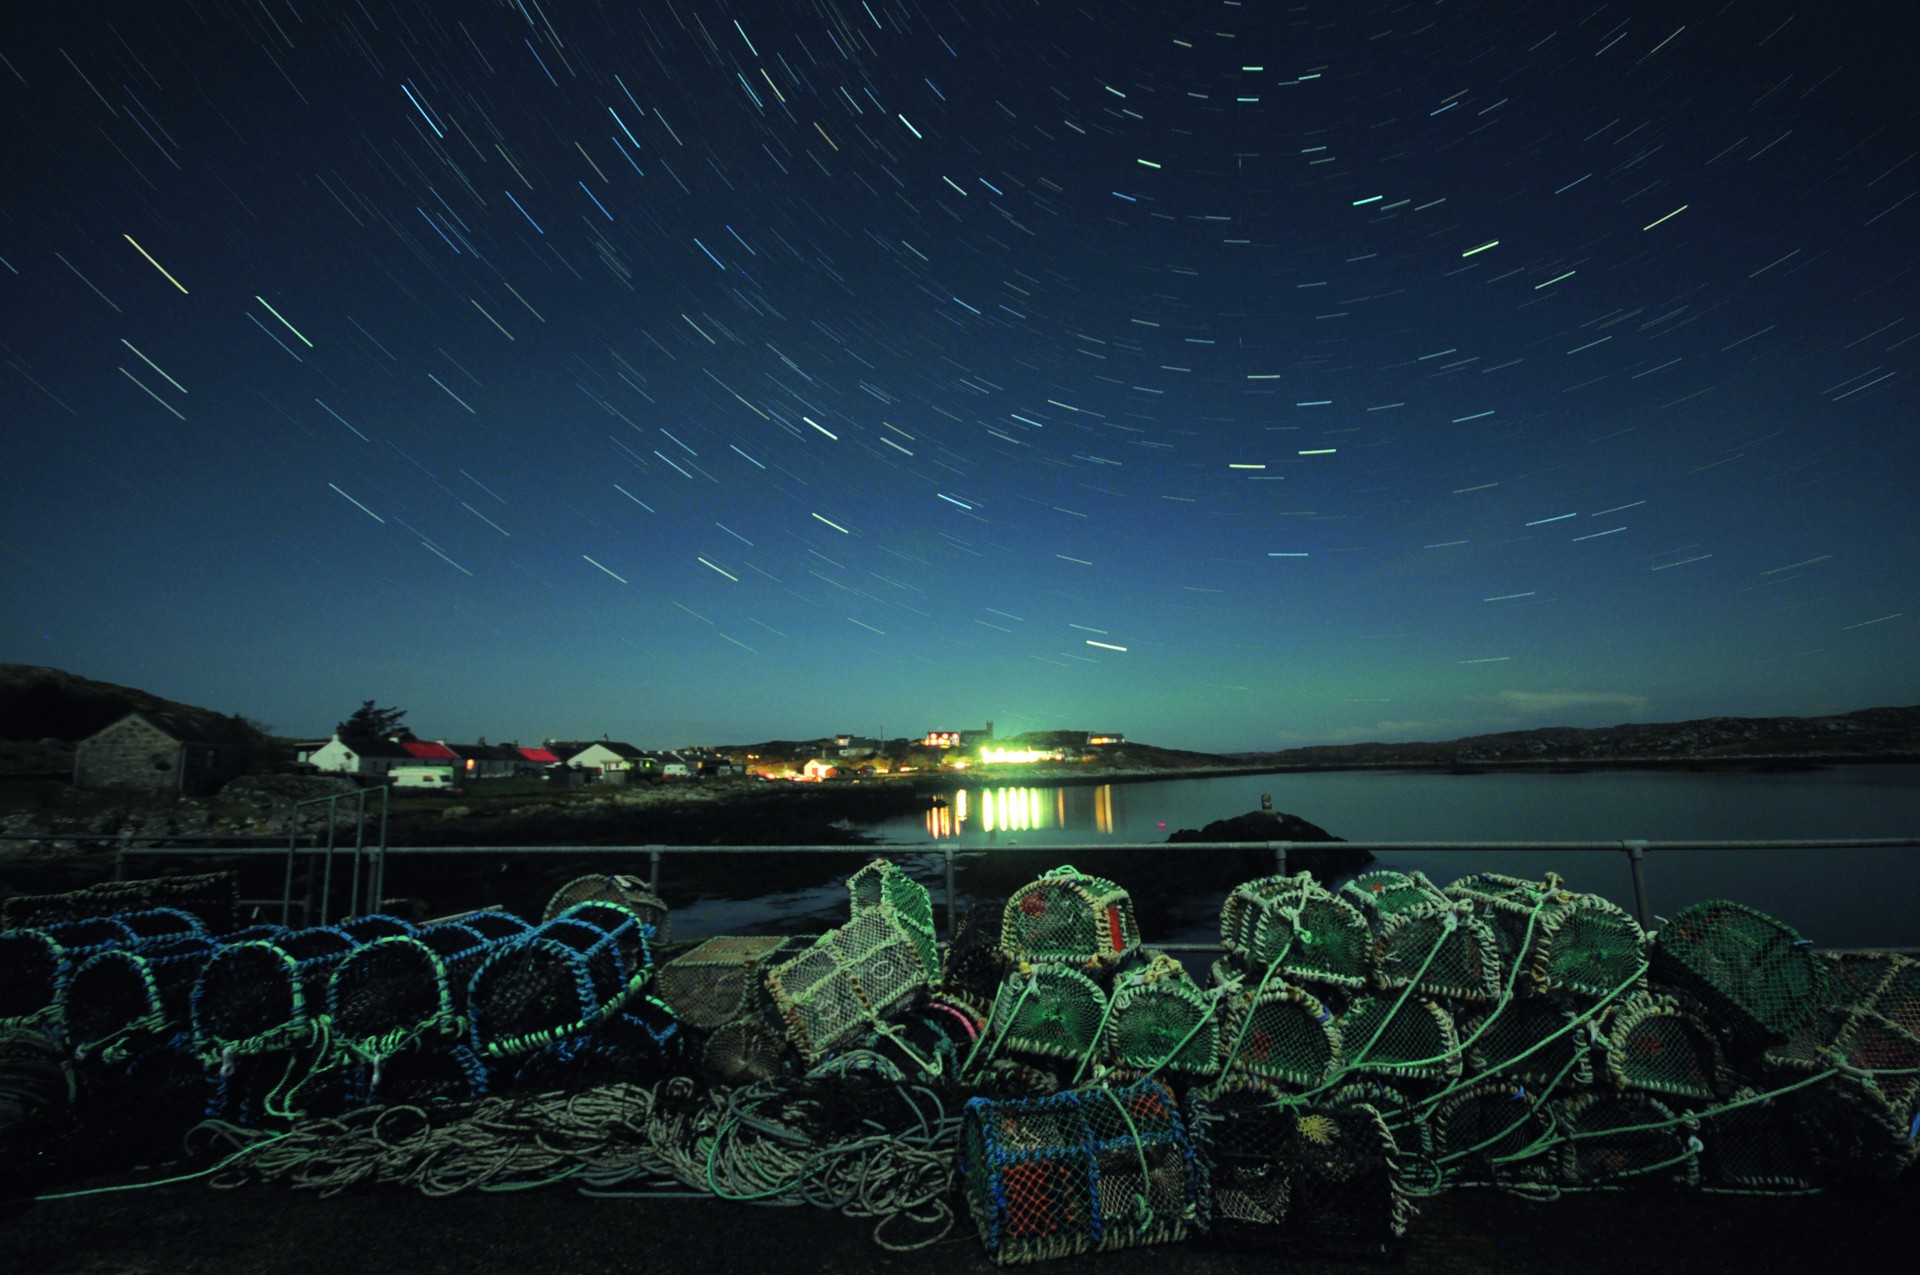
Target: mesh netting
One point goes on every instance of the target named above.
(1078, 1172)
(629, 892)
(1312, 934)
(1157, 1017)
(1625, 1139)
(1383, 892)
(629, 1045)
(386, 992)
(211, 896)
(316, 950)
(33, 967)
(1758, 976)
(1441, 949)
(1054, 1010)
(746, 1051)
(882, 885)
(1404, 1120)
(974, 964)
(375, 925)
(248, 996)
(1868, 1113)
(1884, 982)
(495, 925)
(1068, 916)
(1531, 1042)
(1579, 944)
(1492, 1134)
(117, 992)
(1417, 1041)
(723, 978)
(556, 979)
(1654, 1043)
(848, 978)
(1279, 1033)
(418, 1075)
(1758, 1144)
(1281, 1176)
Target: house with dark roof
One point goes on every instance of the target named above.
(161, 752)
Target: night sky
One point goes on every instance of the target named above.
(1233, 375)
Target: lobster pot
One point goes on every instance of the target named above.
(1757, 977)
(1489, 1134)
(1580, 945)
(1451, 951)
(494, 926)
(34, 968)
(1531, 1042)
(974, 965)
(249, 998)
(1652, 1043)
(746, 1051)
(116, 992)
(149, 924)
(1159, 1018)
(931, 1040)
(848, 978)
(419, 1076)
(1078, 1172)
(552, 982)
(1417, 1042)
(1758, 1144)
(1625, 1140)
(629, 892)
(210, 896)
(1323, 1177)
(1065, 916)
(1863, 1120)
(460, 948)
(629, 1046)
(1885, 982)
(316, 950)
(882, 885)
(1383, 893)
(724, 978)
(1056, 1011)
(622, 926)
(376, 925)
(1279, 1033)
(385, 993)
(1406, 1122)
(1312, 934)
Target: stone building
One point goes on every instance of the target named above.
(160, 752)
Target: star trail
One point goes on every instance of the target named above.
(701, 372)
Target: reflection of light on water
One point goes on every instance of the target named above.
(1015, 809)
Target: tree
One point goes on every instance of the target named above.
(370, 721)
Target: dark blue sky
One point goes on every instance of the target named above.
(1231, 375)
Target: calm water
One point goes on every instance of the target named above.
(1837, 898)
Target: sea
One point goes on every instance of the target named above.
(1003, 834)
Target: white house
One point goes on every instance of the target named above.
(360, 756)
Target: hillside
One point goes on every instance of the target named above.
(47, 703)
(1871, 734)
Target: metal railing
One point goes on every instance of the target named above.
(368, 859)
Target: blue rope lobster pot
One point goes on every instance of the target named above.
(117, 995)
(1078, 1172)
(559, 978)
(36, 964)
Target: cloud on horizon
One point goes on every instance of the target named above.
(1534, 703)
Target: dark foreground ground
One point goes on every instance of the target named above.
(192, 1229)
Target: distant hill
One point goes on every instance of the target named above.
(48, 703)
(1891, 734)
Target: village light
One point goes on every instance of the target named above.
(1019, 754)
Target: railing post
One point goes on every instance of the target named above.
(653, 873)
(1637, 857)
(1280, 857)
(286, 891)
(952, 891)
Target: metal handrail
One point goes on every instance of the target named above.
(1635, 850)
